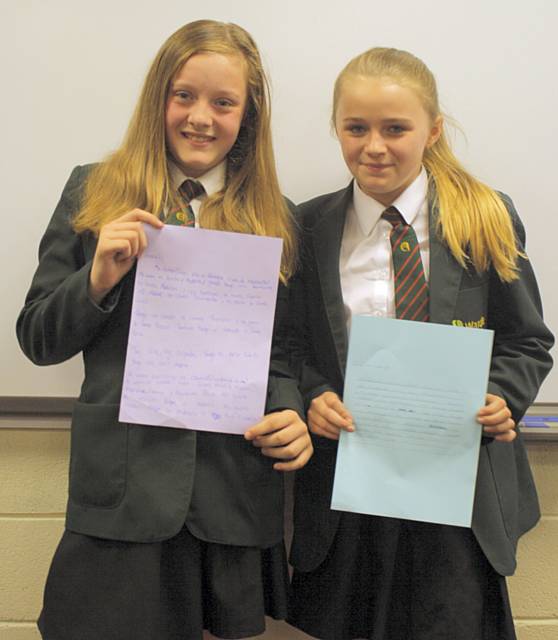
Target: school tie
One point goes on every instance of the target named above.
(189, 190)
(411, 290)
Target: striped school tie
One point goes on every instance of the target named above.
(411, 290)
(189, 190)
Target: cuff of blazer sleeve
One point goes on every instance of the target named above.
(283, 393)
(495, 389)
(81, 313)
(110, 301)
(317, 391)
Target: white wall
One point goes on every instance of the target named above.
(71, 73)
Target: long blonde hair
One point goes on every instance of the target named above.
(472, 218)
(137, 174)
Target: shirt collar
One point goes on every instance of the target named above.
(409, 203)
(212, 181)
(411, 200)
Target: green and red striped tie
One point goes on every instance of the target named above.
(411, 289)
(189, 190)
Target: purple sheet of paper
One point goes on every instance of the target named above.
(200, 330)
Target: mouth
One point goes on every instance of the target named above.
(197, 138)
(375, 167)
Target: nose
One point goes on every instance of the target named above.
(200, 115)
(375, 144)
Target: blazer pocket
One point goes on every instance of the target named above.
(504, 473)
(471, 307)
(99, 447)
(470, 279)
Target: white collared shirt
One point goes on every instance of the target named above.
(365, 263)
(212, 182)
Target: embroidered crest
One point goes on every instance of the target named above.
(476, 324)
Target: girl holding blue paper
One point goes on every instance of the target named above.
(168, 531)
(413, 236)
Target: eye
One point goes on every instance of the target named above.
(224, 103)
(356, 129)
(395, 129)
(183, 95)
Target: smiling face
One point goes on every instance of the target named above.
(204, 111)
(383, 129)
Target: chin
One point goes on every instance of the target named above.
(194, 169)
(378, 189)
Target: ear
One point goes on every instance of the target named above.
(435, 131)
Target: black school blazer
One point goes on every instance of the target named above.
(131, 482)
(506, 503)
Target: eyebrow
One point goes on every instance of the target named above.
(227, 93)
(386, 120)
(401, 119)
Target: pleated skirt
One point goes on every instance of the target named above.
(172, 590)
(390, 579)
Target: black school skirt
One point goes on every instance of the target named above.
(390, 579)
(172, 590)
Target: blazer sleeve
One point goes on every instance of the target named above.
(312, 383)
(520, 356)
(299, 334)
(282, 390)
(59, 319)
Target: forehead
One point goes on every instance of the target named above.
(224, 70)
(383, 97)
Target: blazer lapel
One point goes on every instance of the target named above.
(326, 237)
(445, 276)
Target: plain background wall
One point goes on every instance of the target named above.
(71, 73)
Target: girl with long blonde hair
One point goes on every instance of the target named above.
(414, 236)
(168, 531)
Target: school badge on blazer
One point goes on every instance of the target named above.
(477, 324)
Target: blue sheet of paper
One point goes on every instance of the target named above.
(200, 330)
(414, 390)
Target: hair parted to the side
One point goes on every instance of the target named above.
(473, 220)
(136, 175)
